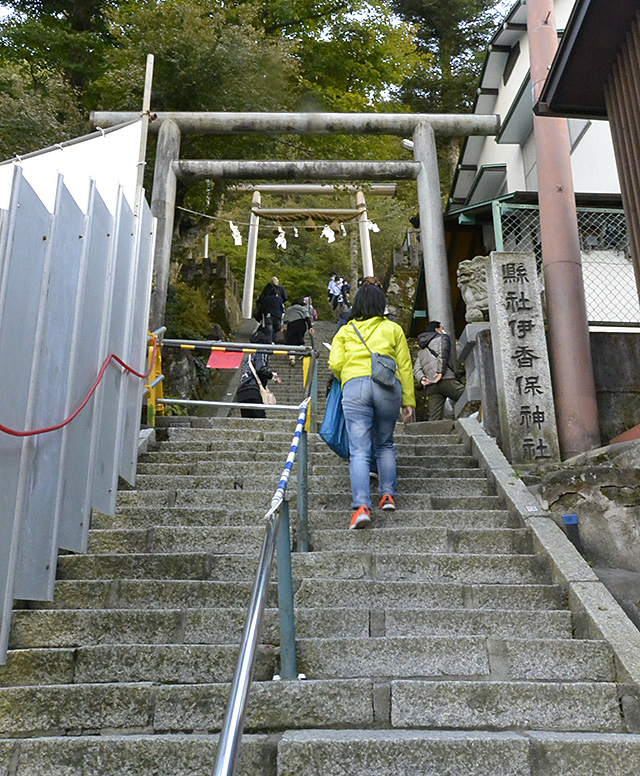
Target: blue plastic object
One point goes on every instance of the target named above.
(334, 428)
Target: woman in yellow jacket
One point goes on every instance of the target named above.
(371, 410)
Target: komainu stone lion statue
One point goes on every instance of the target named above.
(472, 282)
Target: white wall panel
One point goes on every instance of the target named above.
(36, 563)
(22, 268)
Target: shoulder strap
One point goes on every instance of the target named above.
(438, 355)
(253, 369)
(360, 335)
(433, 353)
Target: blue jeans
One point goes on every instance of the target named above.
(371, 412)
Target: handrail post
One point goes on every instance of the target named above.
(303, 493)
(288, 664)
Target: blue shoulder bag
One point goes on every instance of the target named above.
(334, 428)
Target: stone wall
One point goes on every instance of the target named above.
(217, 281)
(616, 367)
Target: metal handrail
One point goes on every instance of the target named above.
(237, 347)
(233, 725)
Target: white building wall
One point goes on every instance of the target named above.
(593, 161)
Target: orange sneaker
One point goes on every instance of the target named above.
(361, 517)
(387, 502)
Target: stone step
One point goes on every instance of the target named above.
(505, 623)
(470, 705)
(423, 428)
(142, 708)
(319, 519)
(248, 540)
(220, 539)
(340, 565)
(114, 663)
(312, 593)
(334, 658)
(321, 484)
(424, 752)
(441, 495)
(284, 434)
(424, 540)
(457, 656)
(448, 495)
(318, 458)
(75, 627)
(404, 471)
(415, 595)
(222, 468)
(125, 755)
(350, 703)
(269, 449)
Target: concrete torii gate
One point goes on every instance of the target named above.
(421, 126)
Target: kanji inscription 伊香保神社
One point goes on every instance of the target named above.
(525, 398)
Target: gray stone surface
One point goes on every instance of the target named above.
(499, 622)
(584, 755)
(69, 709)
(146, 438)
(272, 705)
(387, 656)
(504, 705)
(606, 499)
(597, 613)
(451, 613)
(600, 616)
(395, 752)
(167, 664)
(525, 399)
(132, 755)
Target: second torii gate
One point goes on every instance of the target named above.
(258, 211)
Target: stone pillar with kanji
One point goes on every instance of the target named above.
(521, 361)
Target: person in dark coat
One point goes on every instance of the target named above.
(248, 391)
(298, 321)
(274, 283)
(271, 310)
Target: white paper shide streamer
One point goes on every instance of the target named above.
(237, 237)
(328, 233)
(281, 239)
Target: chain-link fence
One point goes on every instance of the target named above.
(609, 281)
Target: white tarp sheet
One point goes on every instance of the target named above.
(110, 159)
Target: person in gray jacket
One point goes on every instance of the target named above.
(297, 319)
(433, 369)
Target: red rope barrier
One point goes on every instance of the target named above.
(68, 420)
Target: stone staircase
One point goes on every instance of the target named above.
(434, 642)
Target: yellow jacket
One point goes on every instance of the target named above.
(349, 357)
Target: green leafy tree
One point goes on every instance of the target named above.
(453, 34)
(451, 37)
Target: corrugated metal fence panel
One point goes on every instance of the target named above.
(38, 548)
(22, 267)
(106, 464)
(73, 289)
(138, 342)
(81, 435)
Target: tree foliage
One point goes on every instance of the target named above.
(454, 33)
